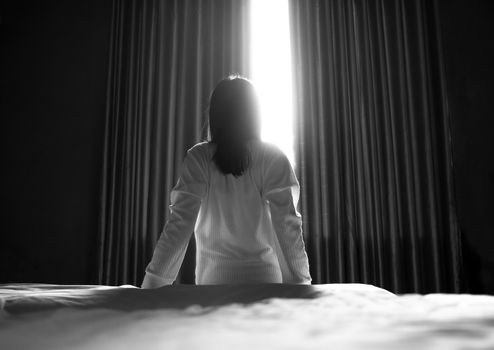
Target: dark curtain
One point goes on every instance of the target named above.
(372, 134)
(372, 144)
(166, 57)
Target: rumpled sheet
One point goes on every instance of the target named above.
(331, 316)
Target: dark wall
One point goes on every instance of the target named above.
(468, 40)
(53, 73)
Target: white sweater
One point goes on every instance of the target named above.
(247, 228)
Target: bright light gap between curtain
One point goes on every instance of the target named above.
(272, 71)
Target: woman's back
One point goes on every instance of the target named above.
(234, 233)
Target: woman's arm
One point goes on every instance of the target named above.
(287, 224)
(281, 190)
(185, 201)
(172, 244)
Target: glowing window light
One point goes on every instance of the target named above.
(272, 71)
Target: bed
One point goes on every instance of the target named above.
(270, 316)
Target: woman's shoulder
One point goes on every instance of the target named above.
(261, 150)
(268, 150)
(198, 147)
(201, 149)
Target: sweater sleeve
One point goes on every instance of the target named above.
(185, 201)
(281, 190)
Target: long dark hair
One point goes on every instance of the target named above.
(233, 121)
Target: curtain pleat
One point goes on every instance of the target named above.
(165, 59)
(372, 144)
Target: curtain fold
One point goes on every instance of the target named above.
(165, 59)
(372, 144)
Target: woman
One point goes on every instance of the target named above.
(239, 196)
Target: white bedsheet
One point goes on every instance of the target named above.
(332, 316)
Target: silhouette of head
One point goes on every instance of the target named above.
(233, 121)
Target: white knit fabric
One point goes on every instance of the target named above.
(247, 228)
